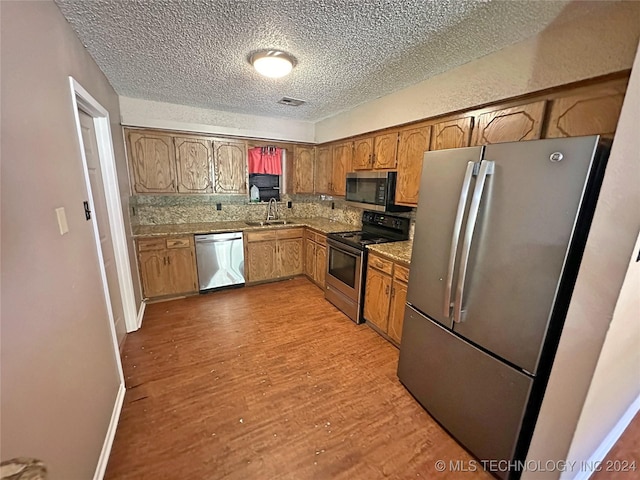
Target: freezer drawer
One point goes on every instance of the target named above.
(478, 399)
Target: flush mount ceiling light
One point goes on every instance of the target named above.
(272, 63)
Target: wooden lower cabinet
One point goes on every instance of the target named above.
(377, 298)
(396, 310)
(315, 257)
(385, 296)
(321, 265)
(167, 266)
(261, 261)
(273, 254)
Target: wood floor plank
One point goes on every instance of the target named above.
(269, 382)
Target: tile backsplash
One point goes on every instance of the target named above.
(176, 209)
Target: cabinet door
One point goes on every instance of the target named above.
(376, 298)
(303, 166)
(193, 165)
(182, 270)
(386, 147)
(362, 154)
(342, 155)
(290, 257)
(154, 273)
(514, 124)
(451, 134)
(594, 111)
(261, 262)
(413, 144)
(321, 265)
(230, 167)
(396, 310)
(323, 170)
(152, 162)
(309, 258)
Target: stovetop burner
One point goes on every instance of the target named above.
(362, 238)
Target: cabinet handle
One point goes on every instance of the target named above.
(373, 159)
(386, 290)
(168, 260)
(164, 260)
(379, 265)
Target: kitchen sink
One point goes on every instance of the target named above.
(268, 223)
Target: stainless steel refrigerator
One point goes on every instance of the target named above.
(500, 231)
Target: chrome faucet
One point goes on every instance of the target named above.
(272, 209)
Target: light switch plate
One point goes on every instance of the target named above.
(62, 220)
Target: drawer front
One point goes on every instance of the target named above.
(261, 236)
(179, 242)
(401, 273)
(290, 233)
(310, 234)
(321, 239)
(148, 244)
(381, 264)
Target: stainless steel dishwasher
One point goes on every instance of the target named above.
(220, 260)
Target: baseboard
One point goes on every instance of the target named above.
(111, 433)
(143, 305)
(610, 440)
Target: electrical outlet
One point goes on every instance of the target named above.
(289, 204)
(218, 206)
(333, 205)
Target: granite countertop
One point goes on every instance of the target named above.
(396, 251)
(323, 225)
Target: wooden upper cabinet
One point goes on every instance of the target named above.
(514, 124)
(594, 111)
(152, 162)
(304, 169)
(230, 167)
(413, 143)
(385, 150)
(451, 134)
(193, 164)
(341, 164)
(323, 170)
(362, 154)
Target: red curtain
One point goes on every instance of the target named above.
(265, 160)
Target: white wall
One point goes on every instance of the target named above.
(146, 113)
(59, 368)
(583, 402)
(616, 382)
(598, 43)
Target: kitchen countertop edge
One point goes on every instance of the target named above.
(396, 251)
(323, 225)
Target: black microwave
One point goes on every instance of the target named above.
(373, 191)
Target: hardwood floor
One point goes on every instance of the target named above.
(269, 382)
(623, 460)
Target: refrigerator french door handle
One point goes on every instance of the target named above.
(486, 168)
(457, 226)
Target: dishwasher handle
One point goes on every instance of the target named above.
(218, 237)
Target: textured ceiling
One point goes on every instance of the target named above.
(195, 52)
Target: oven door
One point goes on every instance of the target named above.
(344, 277)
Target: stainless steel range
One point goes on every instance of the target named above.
(347, 258)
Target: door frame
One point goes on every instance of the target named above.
(83, 100)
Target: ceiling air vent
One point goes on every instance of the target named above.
(292, 102)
